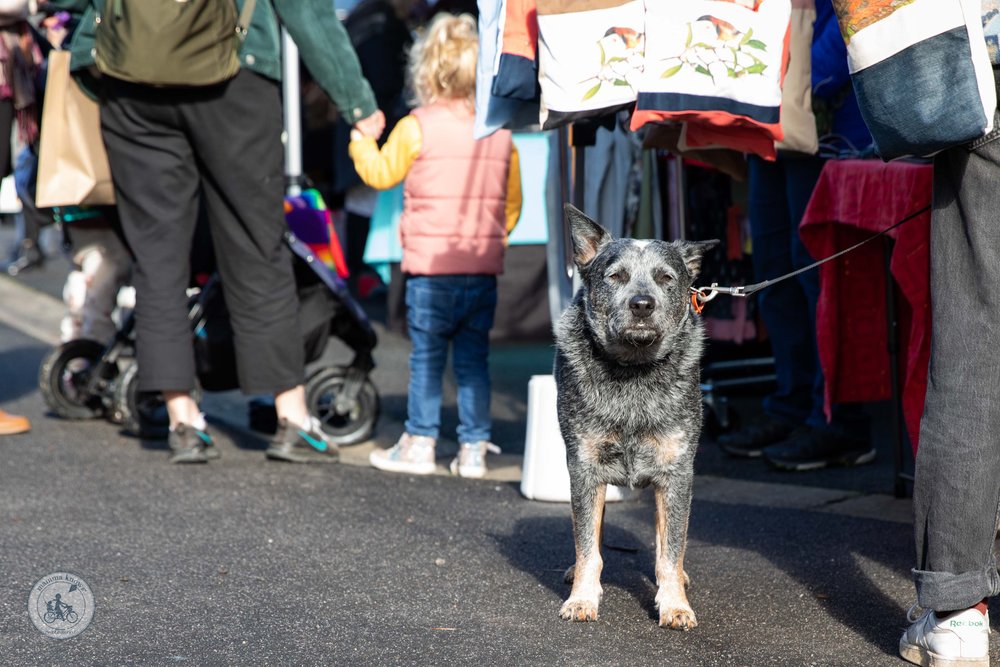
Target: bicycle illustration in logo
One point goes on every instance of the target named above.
(57, 610)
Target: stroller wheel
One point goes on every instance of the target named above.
(141, 413)
(65, 375)
(348, 427)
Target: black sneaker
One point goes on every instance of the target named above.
(189, 445)
(817, 449)
(750, 441)
(301, 445)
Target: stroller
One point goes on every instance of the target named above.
(84, 379)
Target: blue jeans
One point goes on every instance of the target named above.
(441, 310)
(779, 194)
(957, 487)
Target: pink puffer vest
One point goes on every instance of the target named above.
(454, 195)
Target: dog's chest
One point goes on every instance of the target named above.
(633, 432)
(633, 459)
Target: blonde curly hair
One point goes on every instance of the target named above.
(443, 60)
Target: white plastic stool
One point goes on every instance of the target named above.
(544, 475)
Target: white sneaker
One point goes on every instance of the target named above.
(412, 453)
(471, 459)
(960, 640)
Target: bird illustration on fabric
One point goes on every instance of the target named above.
(621, 51)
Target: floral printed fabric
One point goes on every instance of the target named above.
(719, 67)
(590, 57)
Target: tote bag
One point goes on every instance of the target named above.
(798, 123)
(921, 72)
(590, 57)
(718, 66)
(72, 163)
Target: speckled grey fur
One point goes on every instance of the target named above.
(629, 401)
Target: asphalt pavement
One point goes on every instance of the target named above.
(249, 562)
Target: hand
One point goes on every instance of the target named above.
(373, 126)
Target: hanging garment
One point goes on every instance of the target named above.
(517, 68)
(590, 57)
(492, 112)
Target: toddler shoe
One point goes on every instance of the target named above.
(412, 453)
(471, 459)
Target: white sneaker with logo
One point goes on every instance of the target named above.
(411, 453)
(471, 459)
(959, 640)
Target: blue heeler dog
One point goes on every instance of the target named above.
(627, 367)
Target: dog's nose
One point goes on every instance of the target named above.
(642, 305)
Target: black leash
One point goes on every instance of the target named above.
(702, 295)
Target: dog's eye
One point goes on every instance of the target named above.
(663, 278)
(618, 276)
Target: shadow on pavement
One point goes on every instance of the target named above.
(831, 556)
(543, 548)
(19, 370)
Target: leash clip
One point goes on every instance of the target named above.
(702, 295)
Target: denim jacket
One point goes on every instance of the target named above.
(323, 44)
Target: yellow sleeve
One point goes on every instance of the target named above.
(386, 167)
(513, 208)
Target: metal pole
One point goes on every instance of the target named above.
(291, 94)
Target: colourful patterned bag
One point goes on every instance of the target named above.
(921, 72)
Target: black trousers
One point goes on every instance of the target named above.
(168, 149)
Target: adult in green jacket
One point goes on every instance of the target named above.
(323, 44)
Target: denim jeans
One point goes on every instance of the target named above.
(779, 194)
(955, 496)
(444, 310)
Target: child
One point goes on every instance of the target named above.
(462, 198)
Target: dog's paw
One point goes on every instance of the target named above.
(578, 609)
(678, 618)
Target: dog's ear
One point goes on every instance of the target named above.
(588, 236)
(692, 253)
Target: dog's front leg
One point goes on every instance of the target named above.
(672, 510)
(588, 519)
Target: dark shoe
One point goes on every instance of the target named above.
(751, 440)
(189, 445)
(817, 449)
(301, 445)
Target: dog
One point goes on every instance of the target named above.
(627, 370)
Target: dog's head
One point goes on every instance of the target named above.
(636, 294)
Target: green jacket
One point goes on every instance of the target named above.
(323, 44)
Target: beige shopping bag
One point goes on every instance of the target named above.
(72, 163)
(798, 123)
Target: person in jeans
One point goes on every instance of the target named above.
(956, 493)
(792, 432)
(174, 149)
(462, 197)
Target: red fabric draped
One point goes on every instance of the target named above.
(853, 199)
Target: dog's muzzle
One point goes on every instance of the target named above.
(641, 330)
